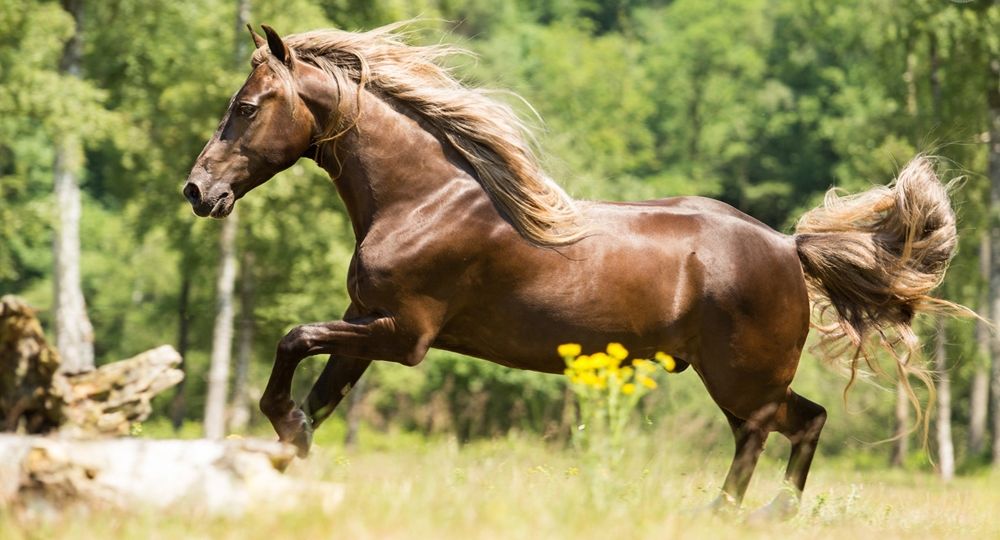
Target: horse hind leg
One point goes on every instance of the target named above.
(801, 422)
(750, 436)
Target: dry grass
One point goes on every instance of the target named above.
(521, 488)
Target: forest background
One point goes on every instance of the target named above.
(764, 104)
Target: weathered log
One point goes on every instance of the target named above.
(28, 399)
(35, 397)
(44, 475)
(110, 399)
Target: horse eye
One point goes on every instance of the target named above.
(246, 110)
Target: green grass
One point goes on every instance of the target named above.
(519, 487)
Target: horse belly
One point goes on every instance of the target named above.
(646, 301)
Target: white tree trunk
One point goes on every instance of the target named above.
(979, 394)
(994, 224)
(222, 336)
(73, 331)
(946, 450)
(217, 400)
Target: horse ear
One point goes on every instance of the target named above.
(278, 47)
(258, 40)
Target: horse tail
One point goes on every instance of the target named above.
(872, 259)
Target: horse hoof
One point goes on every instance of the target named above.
(296, 429)
(722, 506)
(785, 506)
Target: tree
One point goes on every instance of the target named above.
(993, 93)
(74, 333)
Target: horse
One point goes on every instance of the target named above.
(464, 244)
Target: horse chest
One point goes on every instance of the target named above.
(384, 276)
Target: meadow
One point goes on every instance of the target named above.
(401, 485)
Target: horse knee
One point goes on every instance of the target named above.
(294, 343)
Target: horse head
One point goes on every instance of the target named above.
(268, 126)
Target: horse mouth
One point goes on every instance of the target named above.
(223, 207)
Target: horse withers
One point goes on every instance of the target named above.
(464, 244)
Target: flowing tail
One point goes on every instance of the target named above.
(872, 259)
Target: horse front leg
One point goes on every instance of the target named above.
(339, 377)
(363, 339)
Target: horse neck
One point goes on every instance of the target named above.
(388, 163)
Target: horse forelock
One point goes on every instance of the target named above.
(488, 133)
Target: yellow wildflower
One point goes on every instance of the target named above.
(569, 350)
(581, 363)
(646, 381)
(628, 389)
(617, 351)
(666, 361)
(601, 360)
(644, 366)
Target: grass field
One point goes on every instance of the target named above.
(520, 487)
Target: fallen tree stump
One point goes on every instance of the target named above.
(35, 397)
(43, 475)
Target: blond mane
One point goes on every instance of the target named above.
(488, 133)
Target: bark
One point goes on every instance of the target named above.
(994, 216)
(73, 331)
(222, 336)
(946, 450)
(28, 400)
(980, 392)
(240, 410)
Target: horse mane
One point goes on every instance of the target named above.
(486, 132)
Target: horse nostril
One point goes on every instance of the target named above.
(192, 193)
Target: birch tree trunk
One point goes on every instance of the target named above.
(946, 450)
(73, 331)
(222, 335)
(901, 442)
(980, 392)
(946, 447)
(994, 224)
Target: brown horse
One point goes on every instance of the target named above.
(464, 244)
